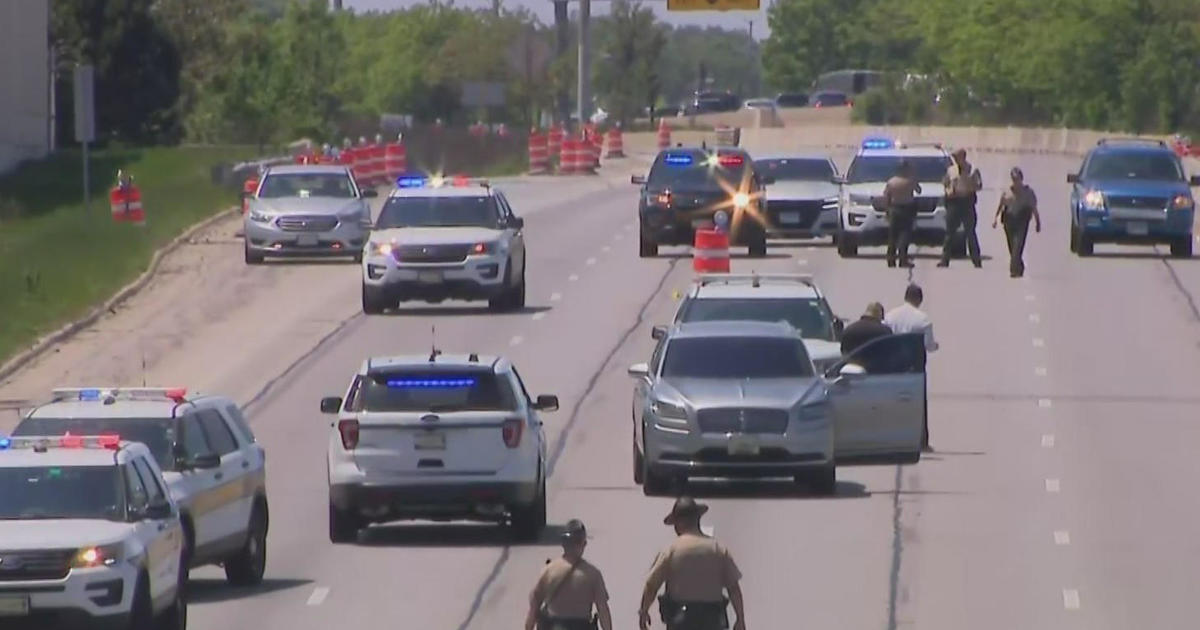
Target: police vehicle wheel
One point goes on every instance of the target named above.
(654, 485)
(822, 482)
(647, 250)
(846, 246)
(1083, 244)
(253, 258)
(638, 471)
(528, 521)
(758, 247)
(1074, 246)
(343, 526)
(371, 305)
(141, 614)
(518, 294)
(175, 616)
(247, 567)
(1182, 247)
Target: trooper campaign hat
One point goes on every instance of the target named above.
(685, 507)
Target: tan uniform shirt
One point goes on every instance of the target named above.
(696, 569)
(1019, 203)
(962, 181)
(900, 190)
(580, 590)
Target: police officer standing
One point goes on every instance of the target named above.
(962, 182)
(869, 326)
(568, 589)
(1018, 204)
(697, 571)
(900, 197)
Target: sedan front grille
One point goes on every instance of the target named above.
(808, 212)
(431, 253)
(301, 223)
(742, 420)
(54, 564)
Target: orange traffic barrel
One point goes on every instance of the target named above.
(710, 253)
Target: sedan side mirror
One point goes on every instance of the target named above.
(639, 370)
(517, 223)
(331, 404)
(369, 192)
(1194, 180)
(158, 510)
(658, 332)
(640, 180)
(851, 370)
(1072, 178)
(546, 402)
(839, 325)
(207, 461)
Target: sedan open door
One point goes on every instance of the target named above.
(878, 397)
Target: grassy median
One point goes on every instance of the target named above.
(58, 261)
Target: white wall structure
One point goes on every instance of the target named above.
(24, 81)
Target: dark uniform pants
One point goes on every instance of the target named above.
(900, 229)
(697, 616)
(1016, 229)
(563, 623)
(960, 211)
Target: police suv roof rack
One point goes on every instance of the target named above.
(1131, 140)
(755, 279)
(109, 395)
(915, 145)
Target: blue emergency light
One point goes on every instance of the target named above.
(89, 394)
(431, 383)
(5, 443)
(679, 159)
(410, 181)
(878, 142)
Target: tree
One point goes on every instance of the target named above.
(809, 37)
(628, 71)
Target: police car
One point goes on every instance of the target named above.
(439, 240)
(802, 201)
(440, 438)
(791, 298)
(213, 467)
(89, 536)
(863, 222)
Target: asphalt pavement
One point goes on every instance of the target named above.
(1063, 412)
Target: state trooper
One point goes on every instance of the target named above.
(698, 572)
(900, 198)
(962, 183)
(569, 588)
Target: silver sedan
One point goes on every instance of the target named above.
(307, 210)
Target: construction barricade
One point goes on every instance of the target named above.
(595, 146)
(556, 139)
(568, 158)
(125, 201)
(249, 187)
(664, 135)
(616, 143)
(395, 159)
(710, 252)
(359, 165)
(539, 157)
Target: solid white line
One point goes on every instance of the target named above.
(1038, 342)
(1044, 403)
(1053, 485)
(516, 341)
(318, 596)
(591, 261)
(1035, 318)
(1062, 537)
(537, 316)
(1070, 599)
(554, 297)
(1040, 371)
(1048, 440)
(801, 261)
(708, 530)
(572, 277)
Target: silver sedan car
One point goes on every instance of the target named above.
(307, 210)
(742, 399)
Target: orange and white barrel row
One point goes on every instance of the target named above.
(664, 135)
(556, 140)
(125, 201)
(616, 143)
(539, 153)
(710, 251)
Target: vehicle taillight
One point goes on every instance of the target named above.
(663, 198)
(730, 160)
(512, 430)
(349, 431)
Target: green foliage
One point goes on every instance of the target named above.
(730, 59)
(627, 73)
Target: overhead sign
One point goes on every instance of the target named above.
(85, 104)
(713, 5)
(482, 94)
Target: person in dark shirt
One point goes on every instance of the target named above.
(869, 326)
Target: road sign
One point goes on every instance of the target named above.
(529, 55)
(482, 94)
(713, 5)
(85, 104)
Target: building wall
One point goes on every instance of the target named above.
(24, 81)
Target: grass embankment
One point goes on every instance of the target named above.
(58, 261)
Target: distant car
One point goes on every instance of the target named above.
(742, 399)
(687, 186)
(307, 210)
(791, 298)
(829, 99)
(802, 201)
(759, 103)
(792, 99)
(89, 536)
(714, 102)
(440, 437)
(1132, 192)
(436, 240)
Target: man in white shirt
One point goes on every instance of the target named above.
(909, 318)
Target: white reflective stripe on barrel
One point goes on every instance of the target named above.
(710, 252)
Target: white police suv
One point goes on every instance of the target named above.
(863, 222)
(437, 240)
(213, 466)
(437, 437)
(89, 536)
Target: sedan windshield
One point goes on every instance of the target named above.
(50, 492)
(806, 315)
(157, 434)
(332, 185)
(796, 169)
(878, 168)
(408, 390)
(1135, 165)
(402, 212)
(736, 357)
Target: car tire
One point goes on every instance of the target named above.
(757, 248)
(1083, 244)
(371, 304)
(141, 611)
(253, 257)
(646, 248)
(847, 247)
(344, 526)
(246, 567)
(1182, 247)
(1074, 236)
(639, 473)
(175, 616)
(504, 301)
(654, 484)
(517, 299)
(528, 521)
(822, 481)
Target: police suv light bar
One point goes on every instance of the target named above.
(176, 394)
(42, 443)
(729, 278)
(438, 181)
(878, 142)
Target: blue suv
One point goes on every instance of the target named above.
(1132, 191)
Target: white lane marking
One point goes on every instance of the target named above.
(606, 248)
(537, 316)
(801, 261)
(708, 530)
(572, 277)
(1053, 485)
(1035, 318)
(1062, 537)
(1048, 440)
(516, 341)
(1038, 342)
(1040, 371)
(554, 297)
(591, 261)
(1044, 403)
(1070, 599)
(1029, 297)
(318, 596)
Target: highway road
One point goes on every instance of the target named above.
(1062, 409)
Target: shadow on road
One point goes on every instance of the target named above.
(453, 535)
(452, 311)
(732, 256)
(768, 490)
(212, 590)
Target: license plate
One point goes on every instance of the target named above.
(702, 223)
(789, 217)
(743, 445)
(14, 605)
(429, 277)
(429, 441)
(1137, 228)
(306, 240)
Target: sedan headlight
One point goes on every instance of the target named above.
(258, 216)
(380, 249)
(668, 411)
(1182, 202)
(98, 556)
(1094, 201)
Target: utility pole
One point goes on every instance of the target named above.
(583, 89)
(562, 26)
(337, 5)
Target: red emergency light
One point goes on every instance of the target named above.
(730, 159)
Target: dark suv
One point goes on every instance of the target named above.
(1132, 191)
(685, 189)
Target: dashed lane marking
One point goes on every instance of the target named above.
(1035, 318)
(572, 277)
(591, 261)
(1040, 371)
(1029, 297)
(1070, 599)
(516, 341)
(801, 261)
(537, 316)
(1044, 403)
(1048, 440)
(1062, 537)
(708, 530)
(606, 248)
(1038, 342)
(318, 596)
(554, 297)
(1053, 486)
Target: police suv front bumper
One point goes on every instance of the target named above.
(869, 227)
(99, 597)
(304, 235)
(466, 277)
